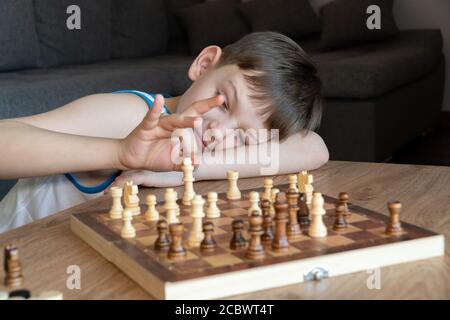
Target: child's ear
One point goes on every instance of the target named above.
(208, 58)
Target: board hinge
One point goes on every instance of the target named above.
(316, 273)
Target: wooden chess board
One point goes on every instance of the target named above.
(225, 272)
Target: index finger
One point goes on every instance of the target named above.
(200, 107)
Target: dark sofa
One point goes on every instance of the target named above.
(379, 96)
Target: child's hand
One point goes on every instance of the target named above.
(149, 145)
(149, 179)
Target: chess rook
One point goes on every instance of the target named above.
(394, 227)
(212, 210)
(237, 240)
(317, 229)
(13, 267)
(340, 222)
(151, 214)
(176, 250)
(163, 240)
(197, 214)
(208, 243)
(255, 248)
(188, 179)
(116, 209)
(233, 192)
(280, 240)
(293, 227)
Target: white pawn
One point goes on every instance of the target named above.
(273, 198)
(254, 203)
(292, 180)
(268, 185)
(196, 235)
(116, 209)
(188, 180)
(128, 230)
(212, 211)
(151, 214)
(317, 229)
(233, 192)
(170, 205)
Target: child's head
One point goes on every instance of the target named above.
(267, 80)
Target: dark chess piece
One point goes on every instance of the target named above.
(339, 222)
(293, 227)
(13, 267)
(163, 240)
(280, 241)
(303, 212)
(208, 243)
(238, 240)
(344, 199)
(267, 236)
(255, 248)
(176, 250)
(394, 227)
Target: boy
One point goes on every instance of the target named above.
(263, 81)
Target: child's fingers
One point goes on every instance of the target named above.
(173, 122)
(201, 107)
(152, 117)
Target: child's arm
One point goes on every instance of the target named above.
(297, 153)
(35, 146)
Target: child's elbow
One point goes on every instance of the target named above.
(320, 154)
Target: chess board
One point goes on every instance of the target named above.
(225, 272)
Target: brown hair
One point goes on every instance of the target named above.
(282, 78)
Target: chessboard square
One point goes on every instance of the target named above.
(379, 232)
(329, 206)
(221, 221)
(242, 203)
(221, 201)
(147, 241)
(185, 219)
(309, 245)
(222, 260)
(356, 218)
(291, 250)
(361, 236)
(350, 228)
(303, 237)
(140, 226)
(336, 241)
(234, 212)
(189, 256)
(144, 233)
(188, 266)
(368, 224)
(217, 251)
(218, 231)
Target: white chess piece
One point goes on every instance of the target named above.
(116, 209)
(128, 230)
(233, 192)
(268, 185)
(317, 229)
(196, 235)
(151, 214)
(170, 205)
(273, 198)
(305, 182)
(212, 210)
(254, 203)
(188, 180)
(292, 180)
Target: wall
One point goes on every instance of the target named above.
(414, 14)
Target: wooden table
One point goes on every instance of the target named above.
(48, 247)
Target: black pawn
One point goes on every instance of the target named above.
(238, 240)
(267, 236)
(163, 240)
(303, 212)
(208, 243)
(255, 249)
(339, 222)
(176, 250)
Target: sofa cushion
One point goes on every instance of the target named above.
(34, 91)
(294, 18)
(212, 23)
(18, 40)
(60, 45)
(370, 70)
(345, 23)
(176, 30)
(139, 28)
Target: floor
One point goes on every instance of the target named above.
(430, 149)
